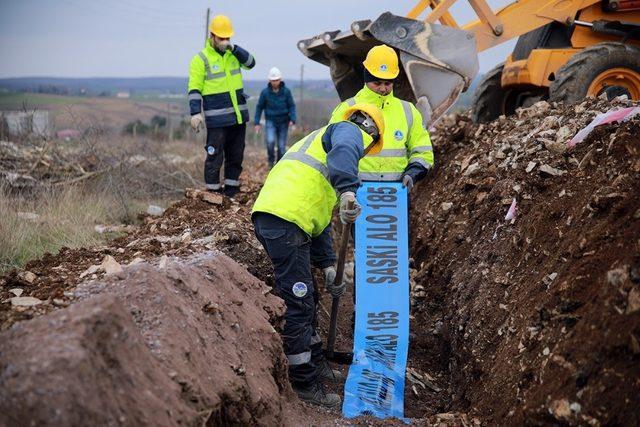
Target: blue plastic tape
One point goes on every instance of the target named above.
(375, 384)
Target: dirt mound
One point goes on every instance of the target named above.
(190, 226)
(534, 320)
(184, 342)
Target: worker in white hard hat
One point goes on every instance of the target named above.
(280, 112)
(217, 100)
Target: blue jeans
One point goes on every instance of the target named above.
(276, 132)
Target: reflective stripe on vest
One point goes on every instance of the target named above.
(223, 111)
(195, 97)
(421, 149)
(248, 61)
(218, 75)
(420, 161)
(302, 156)
(391, 152)
(380, 176)
(408, 114)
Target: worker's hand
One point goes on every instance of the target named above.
(407, 181)
(336, 290)
(197, 122)
(348, 216)
(231, 46)
(257, 128)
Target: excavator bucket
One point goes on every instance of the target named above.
(438, 62)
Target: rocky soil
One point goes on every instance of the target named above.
(534, 319)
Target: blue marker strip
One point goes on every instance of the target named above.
(375, 385)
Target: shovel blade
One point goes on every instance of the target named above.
(438, 62)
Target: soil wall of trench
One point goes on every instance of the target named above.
(534, 320)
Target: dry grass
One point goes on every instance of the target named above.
(65, 217)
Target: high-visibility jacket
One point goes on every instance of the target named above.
(406, 141)
(215, 85)
(298, 189)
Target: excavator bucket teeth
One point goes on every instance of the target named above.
(438, 62)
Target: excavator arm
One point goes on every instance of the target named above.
(493, 28)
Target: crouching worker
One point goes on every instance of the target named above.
(290, 215)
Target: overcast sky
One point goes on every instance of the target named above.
(138, 38)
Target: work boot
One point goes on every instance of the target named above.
(326, 373)
(316, 395)
(231, 190)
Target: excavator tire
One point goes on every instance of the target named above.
(609, 67)
(489, 97)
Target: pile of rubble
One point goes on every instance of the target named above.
(198, 223)
(27, 165)
(527, 266)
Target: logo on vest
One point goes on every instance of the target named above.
(383, 67)
(215, 67)
(299, 289)
(398, 135)
(210, 150)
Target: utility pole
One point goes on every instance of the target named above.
(301, 95)
(206, 27)
(169, 126)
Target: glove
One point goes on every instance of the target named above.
(348, 216)
(330, 282)
(231, 46)
(407, 181)
(197, 122)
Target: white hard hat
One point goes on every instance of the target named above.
(275, 74)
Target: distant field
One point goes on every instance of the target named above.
(83, 112)
(17, 101)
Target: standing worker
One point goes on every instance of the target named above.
(407, 154)
(279, 112)
(215, 83)
(291, 216)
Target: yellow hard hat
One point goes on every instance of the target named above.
(377, 117)
(221, 26)
(382, 62)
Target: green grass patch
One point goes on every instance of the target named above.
(18, 101)
(64, 218)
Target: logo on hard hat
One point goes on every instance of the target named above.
(398, 135)
(299, 289)
(383, 67)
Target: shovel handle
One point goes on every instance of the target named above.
(335, 302)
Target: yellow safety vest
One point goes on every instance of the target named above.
(298, 189)
(218, 79)
(406, 141)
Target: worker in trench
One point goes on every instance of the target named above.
(217, 100)
(291, 217)
(407, 155)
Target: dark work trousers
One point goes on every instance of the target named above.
(224, 143)
(289, 249)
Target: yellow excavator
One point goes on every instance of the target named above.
(566, 50)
